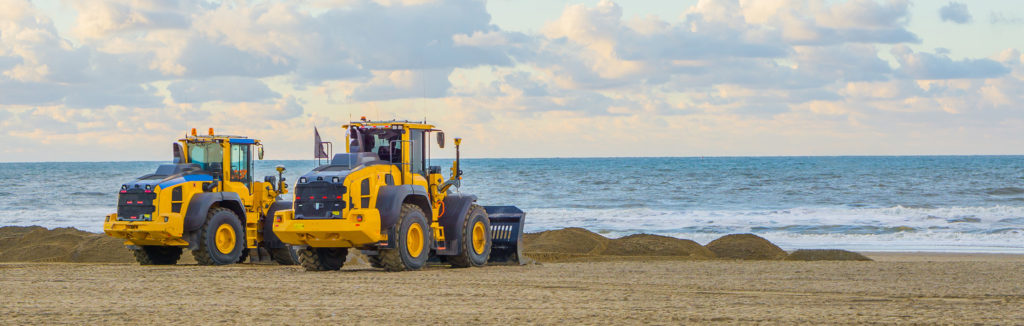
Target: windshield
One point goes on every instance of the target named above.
(206, 153)
(379, 141)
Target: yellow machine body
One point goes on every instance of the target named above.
(383, 198)
(162, 209)
(358, 224)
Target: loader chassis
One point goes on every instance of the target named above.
(380, 197)
(205, 201)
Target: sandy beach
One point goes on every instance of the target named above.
(896, 288)
(68, 276)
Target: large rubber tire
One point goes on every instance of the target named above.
(284, 256)
(323, 259)
(468, 255)
(157, 255)
(208, 253)
(399, 258)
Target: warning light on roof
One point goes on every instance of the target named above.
(193, 132)
(211, 131)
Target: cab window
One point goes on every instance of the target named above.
(240, 163)
(416, 160)
(209, 156)
(386, 143)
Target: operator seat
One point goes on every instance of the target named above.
(387, 154)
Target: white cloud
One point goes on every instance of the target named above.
(397, 84)
(955, 12)
(284, 108)
(98, 19)
(922, 65)
(1002, 18)
(224, 89)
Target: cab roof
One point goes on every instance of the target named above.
(390, 124)
(229, 138)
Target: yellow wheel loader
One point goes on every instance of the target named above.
(381, 197)
(206, 201)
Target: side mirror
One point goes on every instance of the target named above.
(440, 139)
(179, 153)
(259, 152)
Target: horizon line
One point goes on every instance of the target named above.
(598, 157)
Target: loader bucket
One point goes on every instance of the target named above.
(506, 234)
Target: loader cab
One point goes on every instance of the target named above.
(401, 143)
(229, 159)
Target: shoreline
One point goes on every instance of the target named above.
(916, 256)
(38, 243)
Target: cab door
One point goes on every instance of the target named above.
(239, 179)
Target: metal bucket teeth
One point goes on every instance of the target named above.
(506, 235)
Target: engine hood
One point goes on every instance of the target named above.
(168, 175)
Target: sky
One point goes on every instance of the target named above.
(84, 80)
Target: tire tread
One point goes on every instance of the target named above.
(463, 260)
(202, 254)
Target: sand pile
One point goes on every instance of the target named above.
(37, 244)
(825, 254)
(745, 246)
(566, 241)
(656, 245)
(575, 244)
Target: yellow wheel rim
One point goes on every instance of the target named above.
(414, 240)
(225, 239)
(479, 237)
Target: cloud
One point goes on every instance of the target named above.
(723, 41)
(999, 18)
(865, 14)
(42, 68)
(97, 19)
(404, 84)
(805, 73)
(848, 62)
(8, 62)
(803, 22)
(955, 12)
(922, 65)
(223, 89)
(205, 58)
(102, 94)
(285, 108)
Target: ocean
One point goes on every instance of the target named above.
(904, 203)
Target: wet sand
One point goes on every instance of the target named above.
(911, 288)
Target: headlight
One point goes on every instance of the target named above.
(336, 179)
(302, 180)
